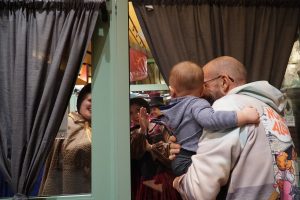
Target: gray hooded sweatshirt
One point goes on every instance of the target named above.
(254, 161)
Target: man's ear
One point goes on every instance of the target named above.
(225, 84)
(172, 92)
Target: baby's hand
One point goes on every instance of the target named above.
(250, 115)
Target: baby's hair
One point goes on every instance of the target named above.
(186, 76)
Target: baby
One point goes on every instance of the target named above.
(188, 114)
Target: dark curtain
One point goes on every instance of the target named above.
(5, 190)
(42, 44)
(259, 33)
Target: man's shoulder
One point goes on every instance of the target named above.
(237, 102)
(228, 102)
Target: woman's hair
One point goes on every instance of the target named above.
(86, 90)
(140, 102)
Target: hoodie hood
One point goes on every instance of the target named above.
(265, 92)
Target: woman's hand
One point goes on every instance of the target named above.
(143, 120)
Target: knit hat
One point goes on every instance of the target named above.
(86, 90)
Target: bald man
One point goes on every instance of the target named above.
(250, 162)
(187, 114)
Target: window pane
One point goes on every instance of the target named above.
(291, 86)
(68, 166)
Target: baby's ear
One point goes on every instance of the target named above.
(201, 91)
(172, 92)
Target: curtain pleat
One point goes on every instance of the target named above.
(282, 3)
(260, 36)
(42, 44)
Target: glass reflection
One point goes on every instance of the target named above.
(68, 167)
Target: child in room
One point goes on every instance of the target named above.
(188, 114)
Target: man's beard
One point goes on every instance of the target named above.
(209, 98)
